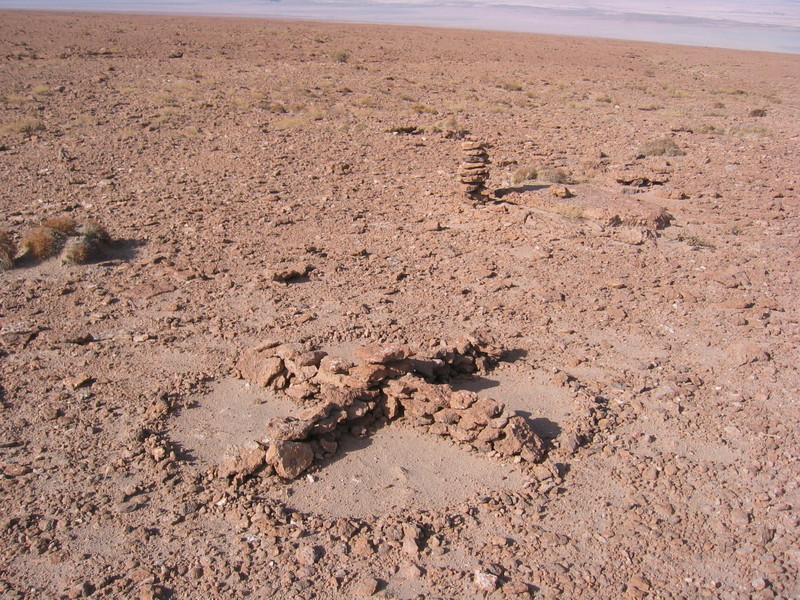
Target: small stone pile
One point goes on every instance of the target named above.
(388, 385)
(474, 169)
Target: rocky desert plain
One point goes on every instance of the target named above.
(394, 312)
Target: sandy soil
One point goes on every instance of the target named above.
(220, 152)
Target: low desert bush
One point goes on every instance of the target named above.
(511, 86)
(451, 128)
(659, 147)
(8, 250)
(524, 174)
(758, 112)
(28, 125)
(694, 240)
(65, 225)
(340, 56)
(43, 243)
(570, 211)
(557, 175)
(424, 109)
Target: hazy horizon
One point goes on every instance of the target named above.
(767, 25)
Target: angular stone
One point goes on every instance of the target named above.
(380, 355)
(300, 390)
(462, 399)
(288, 429)
(335, 364)
(291, 272)
(418, 407)
(437, 395)
(488, 434)
(311, 359)
(366, 586)
(447, 416)
(290, 459)
(485, 582)
(369, 373)
(242, 461)
(330, 422)
(483, 410)
(520, 439)
(259, 366)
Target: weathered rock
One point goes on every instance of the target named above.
(288, 429)
(518, 436)
(290, 459)
(366, 586)
(287, 273)
(242, 461)
(259, 366)
(381, 355)
(485, 582)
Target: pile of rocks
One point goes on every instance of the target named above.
(388, 385)
(474, 169)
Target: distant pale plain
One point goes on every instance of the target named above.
(767, 25)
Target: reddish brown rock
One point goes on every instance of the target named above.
(242, 461)
(259, 366)
(519, 437)
(288, 429)
(381, 355)
(290, 459)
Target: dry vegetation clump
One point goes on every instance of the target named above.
(451, 129)
(43, 243)
(659, 147)
(694, 240)
(78, 242)
(63, 224)
(8, 250)
(524, 174)
(758, 112)
(570, 211)
(27, 125)
(556, 175)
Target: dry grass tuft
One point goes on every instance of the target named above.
(659, 147)
(63, 224)
(557, 175)
(524, 174)
(8, 250)
(27, 125)
(80, 250)
(570, 211)
(451, 128)
(94, 231)
(43, 243)
(694, 240)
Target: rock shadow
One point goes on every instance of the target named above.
(348, 443)
(519, 189)
(122, 250)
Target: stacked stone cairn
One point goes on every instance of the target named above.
(390, 384)
(474, 170)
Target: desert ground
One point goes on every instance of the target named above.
(288, 196)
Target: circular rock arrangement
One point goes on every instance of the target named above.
(388, 385)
